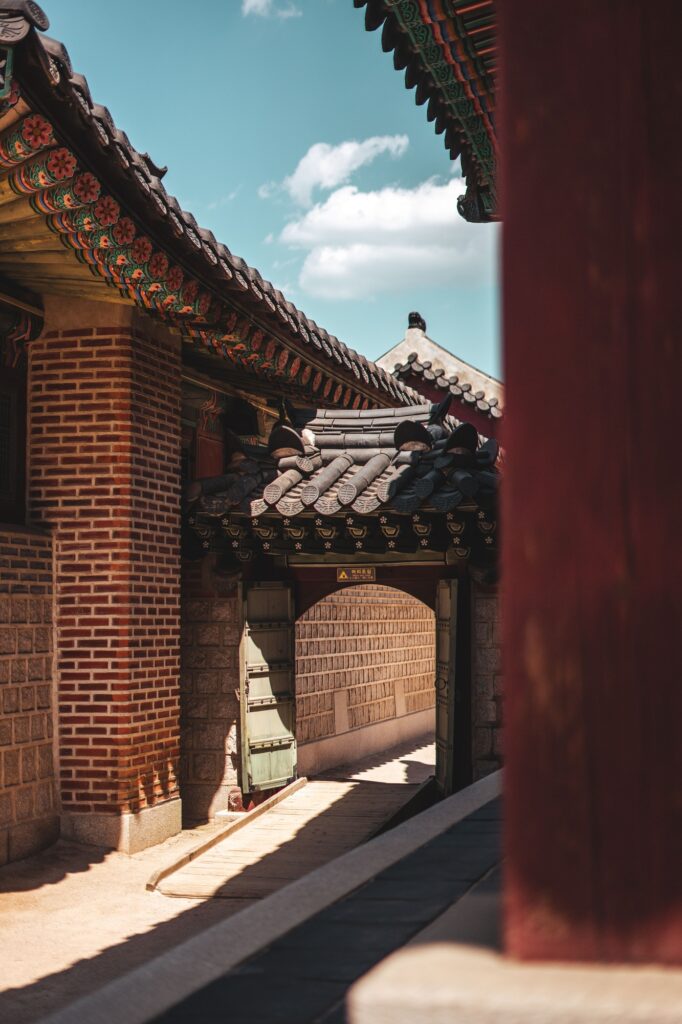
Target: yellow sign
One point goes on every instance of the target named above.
(357, 574)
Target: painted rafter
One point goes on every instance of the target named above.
(66, 162)
(43, 177)
(467, 536)
(448, 51)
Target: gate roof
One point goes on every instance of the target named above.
(407, 479)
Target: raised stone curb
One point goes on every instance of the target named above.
(233, 826)
(444, 982)
(143, 994)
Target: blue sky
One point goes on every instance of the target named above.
(287, 131)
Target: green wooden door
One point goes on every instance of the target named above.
(267, 687)
(446, 649)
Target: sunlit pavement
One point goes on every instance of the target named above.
(411, 762)
(75, 916)
(445, 891)
(334, 812)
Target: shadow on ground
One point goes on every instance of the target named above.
(50, 867)
(29, 1003)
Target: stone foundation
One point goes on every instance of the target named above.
(128, 833)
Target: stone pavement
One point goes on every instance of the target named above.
(330, 815)
(410, 763)
(303, 977)
(74, 917)
(311, 827)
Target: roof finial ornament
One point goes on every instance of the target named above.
(284, 441)
(416, 320)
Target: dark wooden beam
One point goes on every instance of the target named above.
(20, 298)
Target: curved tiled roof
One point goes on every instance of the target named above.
(449, 53)
(352, 464)
(223, 287)
(436, 376)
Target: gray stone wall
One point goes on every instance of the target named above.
(209, 682)
(365, 654)
(486, 680)
(29, 814)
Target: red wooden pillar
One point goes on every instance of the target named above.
(592, 95)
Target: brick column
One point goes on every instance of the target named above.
(104, 418)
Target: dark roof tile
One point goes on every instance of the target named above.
(413, 367)
(355, 467)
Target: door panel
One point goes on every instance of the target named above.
(268, 644)
(267, 687)
(446, 650)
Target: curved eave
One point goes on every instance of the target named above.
(351, 491)
(460, 389)
(49, 86)
(449, 55)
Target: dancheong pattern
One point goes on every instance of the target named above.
(449, 50)
(93, 225)
(176, 269)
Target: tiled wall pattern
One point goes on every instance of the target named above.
(28, 805)
(210, 680)
(486, 680)
(372, 643)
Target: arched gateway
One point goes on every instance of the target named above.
(376, 499)
(365, 666)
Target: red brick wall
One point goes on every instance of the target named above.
(209, 682)
(104, 423)
(376, 644)
(486, 671)
(28, 805)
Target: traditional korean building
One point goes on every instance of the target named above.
(421, 363)
(404, 498)
(218, 518)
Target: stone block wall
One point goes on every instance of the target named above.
(211, 629)
(29, 818)
(364, 655)
(486, 680)
(104, 473)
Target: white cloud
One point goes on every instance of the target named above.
(359, 244)
(224, 200)
(325, 166)
(269, 9)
